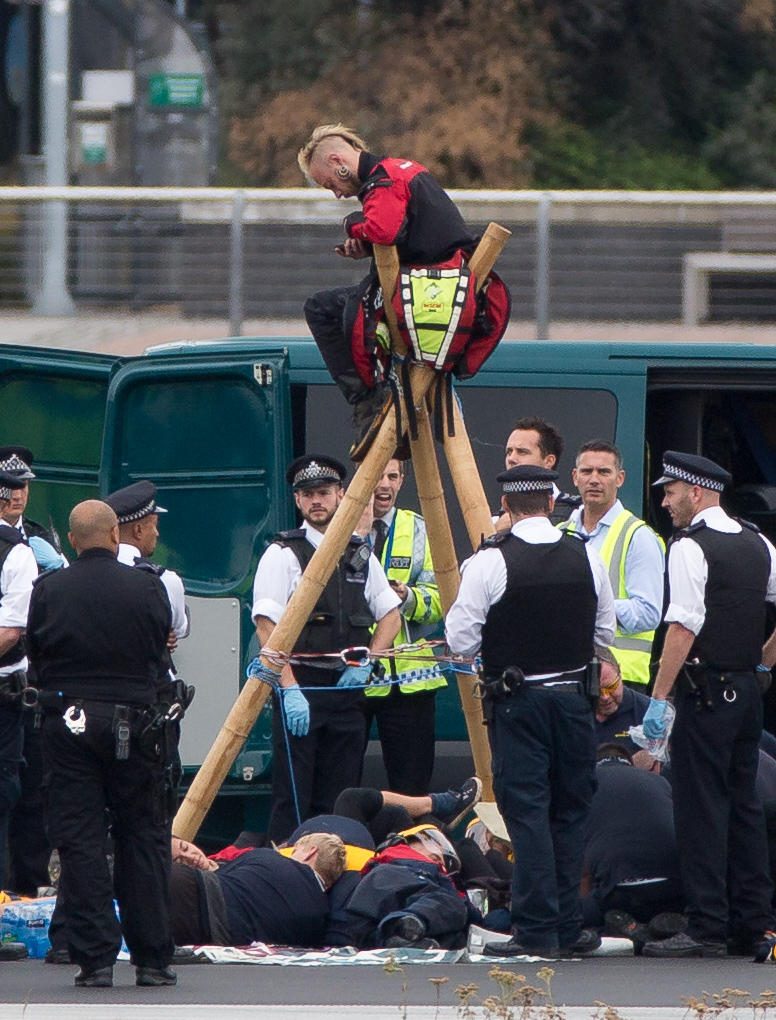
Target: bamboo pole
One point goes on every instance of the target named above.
(254, 694)
(431, 493)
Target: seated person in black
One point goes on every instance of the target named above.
(630, 847)
(260, 896)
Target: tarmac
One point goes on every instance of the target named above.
(117, 333)
(632, 988)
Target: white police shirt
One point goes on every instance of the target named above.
(484, 581)
(688, 572)
(16, 577)
(278, 575)
(173, 585)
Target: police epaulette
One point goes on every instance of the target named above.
(575, 534)
(495, 539)
(292, 533)
(10, 535)
(149, 567)
(747, 524)
(698, 526)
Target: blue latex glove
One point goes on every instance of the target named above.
(297, 710)
(654, 722)
(45, 554)
(355, 676)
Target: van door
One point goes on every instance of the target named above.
(212, 429)
(54, 403)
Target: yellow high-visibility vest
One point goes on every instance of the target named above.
(633, 651)
(406, 557)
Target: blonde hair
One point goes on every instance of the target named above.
(330, 861)
(305, 155)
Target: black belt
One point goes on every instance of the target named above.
(563, 682)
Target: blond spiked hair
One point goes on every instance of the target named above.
(305, 155)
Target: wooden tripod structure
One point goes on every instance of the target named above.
(471, 497)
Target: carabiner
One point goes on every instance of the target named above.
(348, 655)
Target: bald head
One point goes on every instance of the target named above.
(93, 525)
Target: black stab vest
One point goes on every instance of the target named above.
(341, 616)
(739, 566)
(10, 537)
(545, 620)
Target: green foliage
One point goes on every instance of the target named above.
(569, 156)
(742, 152)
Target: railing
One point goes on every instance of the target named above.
(582, 255)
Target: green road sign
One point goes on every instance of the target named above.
(176, 90)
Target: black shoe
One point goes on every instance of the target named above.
(396, 942)
(585, 943)
(153, 977)
(100, 977)
(405, 931)
(663, 926)
(57, 956)
(182, 956)
(450, 807)
(516, 948)
(13, 951)
(763, 948)
(619, 924)
(683, 945)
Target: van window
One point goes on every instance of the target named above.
(490, 412)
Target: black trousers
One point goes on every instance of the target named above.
(720, 828)
(328, 314)
(543, 745)
(322, 763)
(10, 760)
(405, 726)
(28, 844)
(83, 779)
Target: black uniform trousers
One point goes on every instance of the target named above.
(10, 759)
(328, 313)
(323, 763)
(84, 778)
(720, 828)
(28, 844)
(406, 728)
(543, 747)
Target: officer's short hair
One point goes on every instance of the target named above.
(550, 440)
(601, 446)
(613, 750)
(330, 862)
(528, 504)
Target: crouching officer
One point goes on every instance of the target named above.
(534, 601)
(97, 636)
(721, 572)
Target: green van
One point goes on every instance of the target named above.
(214, 424)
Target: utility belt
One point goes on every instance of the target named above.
(491, 688)
(13, 687)
(698, 680)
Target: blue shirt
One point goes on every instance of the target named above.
(644, 570)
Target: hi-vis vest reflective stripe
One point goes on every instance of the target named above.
(405, 557)
(633, 651)
(434, 300)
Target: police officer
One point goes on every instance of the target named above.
(407, 705)
(721, 572)
(632, 553)
(97, 635)
(326, 728)
(138, 512)
(28, 846)
(533, 601)
(44, 542)
(18, 570)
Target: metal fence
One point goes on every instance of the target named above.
(584, 256)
